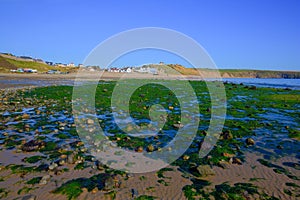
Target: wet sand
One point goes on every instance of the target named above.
(14, 80)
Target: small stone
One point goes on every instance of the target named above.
(90, 121)
(139, 149)
(61, 162)
(186, 157)
(53, 166)
(150, 148)
(45, 180)
(25, 116)
(178, 125)
(250, 141)
(70, 159)
(95, 190)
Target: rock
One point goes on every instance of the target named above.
(223, 164)
(33, 145)
(70, 159)
(228, 155)
(150, 148)
(45, 179)
(205, 170)
(61, 162)
(89, 121)
(52, 166)
(26, 127)
(179, 125)
(25, 116)
(236, 160)
(134, 193)
(95, 190)
(250, 141)
(186, 157)
(109, 183)
(139, 149)
(85, 190)
(227, 135)
(29, 197)
(279, 146)
(63, 156)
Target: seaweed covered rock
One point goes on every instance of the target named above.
(205, 170)
(226, 135)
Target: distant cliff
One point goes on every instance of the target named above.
(259, 74)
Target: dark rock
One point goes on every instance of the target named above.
(279, 147)
(227, 135)
(29, 197)
(33, 145)
(134, 193)
(237, 161)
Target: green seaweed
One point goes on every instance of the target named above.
(160, 173)
(145, 197)
(25, 190)
(34, 180)
(3, 193)
(33, 159)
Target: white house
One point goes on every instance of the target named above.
(71, 65)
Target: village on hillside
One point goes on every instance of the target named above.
(150, 68)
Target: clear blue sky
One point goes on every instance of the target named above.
(252, 34)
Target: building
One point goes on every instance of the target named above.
(71, 65)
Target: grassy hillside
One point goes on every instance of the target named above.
(240, 73)
(6, 64)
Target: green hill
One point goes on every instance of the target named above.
(238, 73)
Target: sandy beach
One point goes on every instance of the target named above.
(259, 164)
